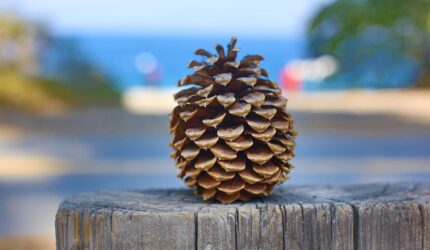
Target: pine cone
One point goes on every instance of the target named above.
(232, 137)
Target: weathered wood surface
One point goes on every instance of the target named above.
(379, 216)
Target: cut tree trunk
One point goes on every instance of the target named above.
(377, 216)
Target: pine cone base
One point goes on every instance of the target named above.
(232, 137)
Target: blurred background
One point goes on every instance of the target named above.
(86, 87)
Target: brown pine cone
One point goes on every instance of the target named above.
(232, 138)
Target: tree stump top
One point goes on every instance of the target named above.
(375, 216)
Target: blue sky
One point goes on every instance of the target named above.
(267, 18)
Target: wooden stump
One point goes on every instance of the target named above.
(390, 216)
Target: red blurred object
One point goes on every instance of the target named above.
(290, 79)
(155, 76)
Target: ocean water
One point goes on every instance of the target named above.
(117, 55)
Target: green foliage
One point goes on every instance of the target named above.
(39, 71)
(13, 27)
(20, 92)
(349, 17)
(25, 93)
(72, 69)
(404, 24)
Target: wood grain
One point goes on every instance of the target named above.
(377, 216)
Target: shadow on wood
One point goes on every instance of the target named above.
(378, 216)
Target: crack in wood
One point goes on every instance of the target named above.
(281, 208)
(303, 225)
(332, 218)
(196, 230)
(236, 228)
(356, 221)
(423, 229)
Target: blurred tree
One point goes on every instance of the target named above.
(63, 61)
(53, 70)
(379, 43)
(18, 41)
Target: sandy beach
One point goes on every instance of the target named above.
(408, 104)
